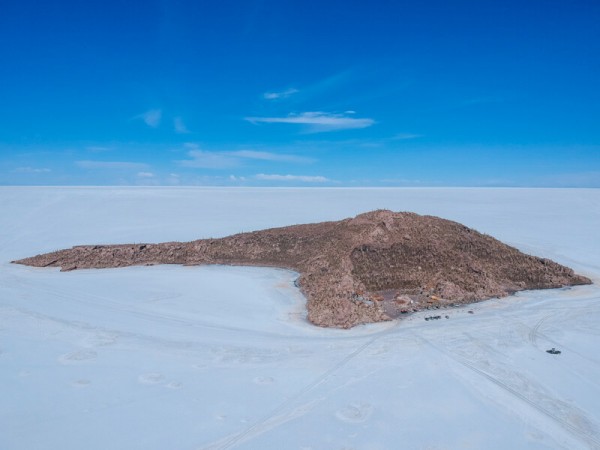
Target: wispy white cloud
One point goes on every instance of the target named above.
(152, 117)
(301, 178)
(280, 95)
(203, 159)
(319, 87)
(179, 126)
(145, 175)
(405, 136)
(341, 80)
(317, 121)
(270, 156)
(111, 165)
(98, 149)
(32, 170)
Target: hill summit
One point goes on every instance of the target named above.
(370, 268)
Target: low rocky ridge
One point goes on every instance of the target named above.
(370, 268)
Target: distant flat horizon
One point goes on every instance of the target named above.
(293, 187)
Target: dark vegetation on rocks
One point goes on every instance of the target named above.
(370, 268)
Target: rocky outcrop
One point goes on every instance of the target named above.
(370, 268)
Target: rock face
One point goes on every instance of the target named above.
(370, 268)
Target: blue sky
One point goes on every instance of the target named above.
(300, 93)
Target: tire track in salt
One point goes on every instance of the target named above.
(590, 437)
(259, 426)
(533, 333)
(107, 303)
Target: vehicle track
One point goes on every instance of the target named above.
(590, 437)
(534, 330)
(103, 302)
(255, 427)
(534, 333)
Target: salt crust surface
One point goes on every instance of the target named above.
(222, 357)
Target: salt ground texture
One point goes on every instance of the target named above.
(223, 357)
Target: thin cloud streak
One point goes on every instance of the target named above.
(179, 126)
(151, 117)
(202, 159)
(269, 156)
(317, 121)
(111, 165)
(301, 178)
(31, 170)
(209, 160)
(331, 83)
(97, 149)
(280, 95)
(405, 136)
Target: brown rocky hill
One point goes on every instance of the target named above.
(370, 268)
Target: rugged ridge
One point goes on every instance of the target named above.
(370, 268)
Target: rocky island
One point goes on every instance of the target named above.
(370, 268)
